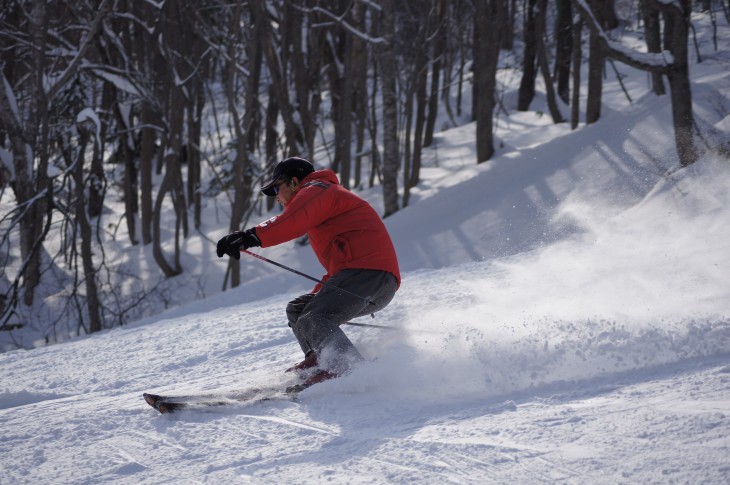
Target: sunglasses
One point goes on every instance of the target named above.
(276, 187)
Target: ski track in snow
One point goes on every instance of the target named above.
(448, 414)
(590, 435)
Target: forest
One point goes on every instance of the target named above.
(165, 104)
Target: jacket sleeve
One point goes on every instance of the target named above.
(309, 208)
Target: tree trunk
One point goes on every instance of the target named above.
(241, 163)
(408, 121)
(417, 96)
(543, 62)
(676, 32)
(607, 13)
(92, 297)
(97, 188)
(577, 62)
(278, 77)
(146, 163)
(360, 91)
(529, 68)
(653, 35)
(167, 186)
(488, 18)
(372, 124)
(563, 50)
(37, 138)
(130, 191)
(390, 112)
(596, 63)
(507, 33)
(343, 122)
(272, 135)
(439, 49)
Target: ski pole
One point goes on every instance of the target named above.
(358, 324)
(323, 283)
(354, 324)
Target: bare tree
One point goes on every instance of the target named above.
(87, 130)
(564, 47)
(277, 70)
(676, 35)
(576, 59)
(40, 73)
(439, 47)
(526, 91)
(389, 73)
(488, 19)
(596, 61)
(416, 25)
(540, 22)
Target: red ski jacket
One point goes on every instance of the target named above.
(344, 230)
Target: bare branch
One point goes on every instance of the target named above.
(94, 28)
(653, 62)
(341, 21)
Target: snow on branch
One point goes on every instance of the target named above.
(94, 27)
(10, 100)
(659, 62)
(88, 115)
(340, 20)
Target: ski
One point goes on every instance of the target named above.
(168, 404)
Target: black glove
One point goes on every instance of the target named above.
(235, 241)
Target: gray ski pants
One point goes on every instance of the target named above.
(315, 318)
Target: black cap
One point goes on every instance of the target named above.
(286, 169)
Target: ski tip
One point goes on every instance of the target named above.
(151, 399)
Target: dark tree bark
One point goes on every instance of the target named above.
(488, 18)
(652, 29)
(294, 138)
(676, 35)
(564, 48)
(306, 67)
(148, 139)
(242, 180)
(167, 186)
(360, 91)
(508, 32)
(439, 49)
(596, 62)
(272, 135)
(607, 9)
(577, 62)
(390, 111)
(529, 67)
(417, 96)
(86, 232)
(343, 122)
(195, 126)
(543, 62)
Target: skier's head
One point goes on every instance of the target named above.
(285, 170)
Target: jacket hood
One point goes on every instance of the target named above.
(324, 175)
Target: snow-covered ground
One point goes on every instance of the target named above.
(564, 317)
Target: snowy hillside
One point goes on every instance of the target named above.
(564, 317)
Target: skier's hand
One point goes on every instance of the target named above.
(235, 241)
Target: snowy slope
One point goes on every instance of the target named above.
(564, 317)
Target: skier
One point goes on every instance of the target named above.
(350, 241)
